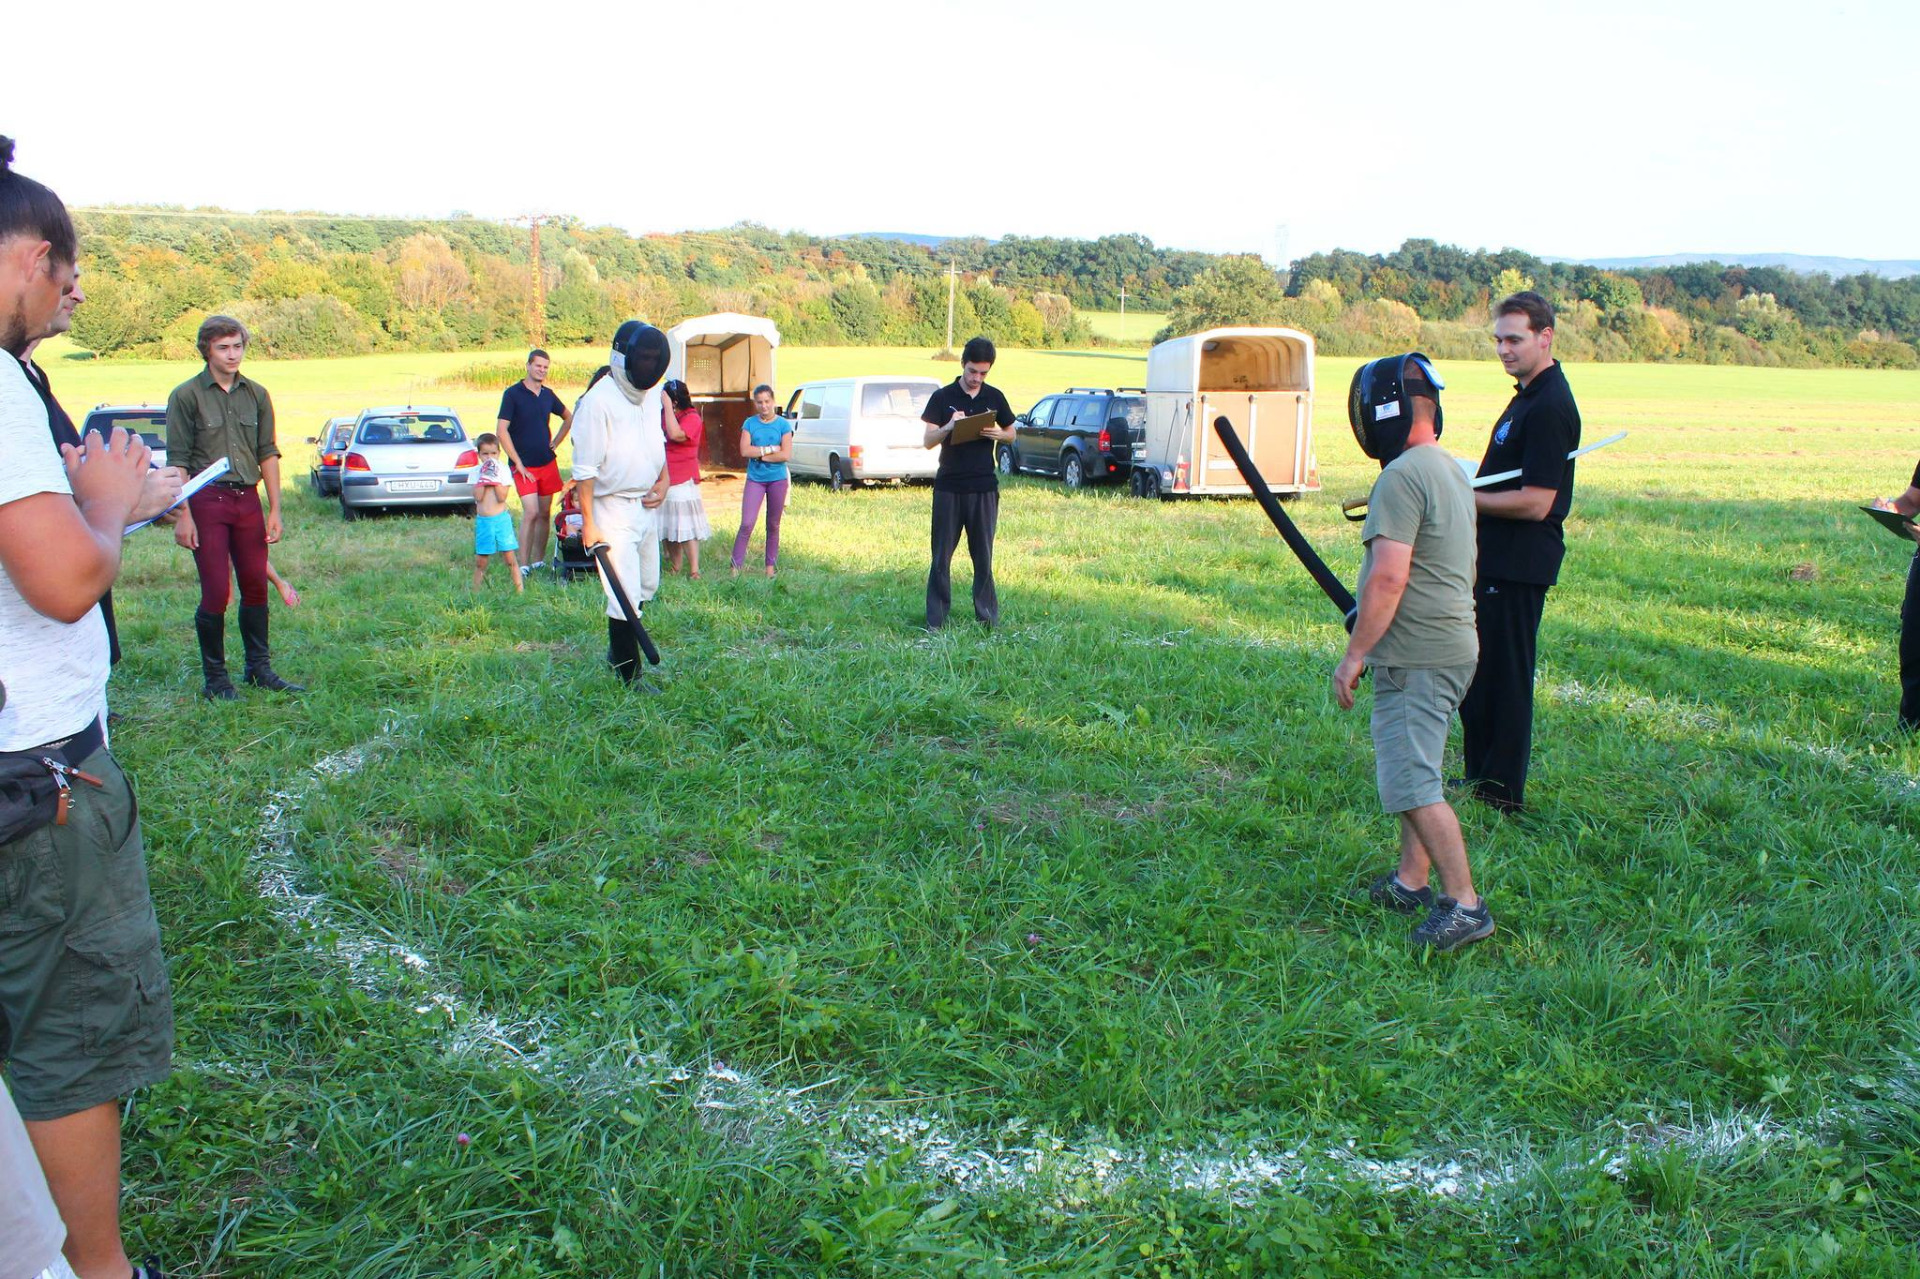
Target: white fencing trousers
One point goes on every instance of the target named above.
(632, 535)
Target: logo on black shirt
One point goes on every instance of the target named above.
(1500, 436)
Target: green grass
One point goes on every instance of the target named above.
(1134, 326)
(1093, 873)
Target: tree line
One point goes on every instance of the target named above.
(320, 285)
(314, 285)
(1437, 297)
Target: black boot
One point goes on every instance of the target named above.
(212, 630)
(253, 636)
(623, 650)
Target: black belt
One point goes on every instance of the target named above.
(75, 748)
(231, 484)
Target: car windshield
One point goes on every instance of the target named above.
(893, 399)
(149, 422)
(412, 428)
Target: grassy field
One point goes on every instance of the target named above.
(1134, 326)
(860, 951)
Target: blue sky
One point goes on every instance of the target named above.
(1568, 130)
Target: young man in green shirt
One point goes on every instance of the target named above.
(221, 413)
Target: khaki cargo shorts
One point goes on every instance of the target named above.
(86, 1015)
(1412, 707)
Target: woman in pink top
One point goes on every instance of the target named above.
(683, 517)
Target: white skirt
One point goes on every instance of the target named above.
(683, 516)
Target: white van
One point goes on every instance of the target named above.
(859, 430)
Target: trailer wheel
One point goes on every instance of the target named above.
(1149, 482)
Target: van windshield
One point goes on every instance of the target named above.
(893, 399)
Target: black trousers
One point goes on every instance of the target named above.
(1910, 649)
(1496, 719)
(978, 514)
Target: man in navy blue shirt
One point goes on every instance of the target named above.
(1521, 546)
(525, 410)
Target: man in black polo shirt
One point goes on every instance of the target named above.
(1521, 545)
(525, 409)
(966, 488)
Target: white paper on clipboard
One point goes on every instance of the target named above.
(214, 471)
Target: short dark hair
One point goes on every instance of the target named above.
(538, 354)
(1538, 310)
(485, 438)
(762, 387)
(27, 208)
(598, 373)
(215, 327)
(978, 351)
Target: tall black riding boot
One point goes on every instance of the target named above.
(253, 636)
(212, 630)
(623, 650)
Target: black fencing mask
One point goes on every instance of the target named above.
(1380, 404)
(639, 359)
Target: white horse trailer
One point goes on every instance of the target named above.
(722, 358)
(1261, 380)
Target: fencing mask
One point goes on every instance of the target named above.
(1380, 403)
(639, 359)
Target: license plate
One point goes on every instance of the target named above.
(413, 486)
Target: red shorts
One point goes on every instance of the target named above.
(546, 480)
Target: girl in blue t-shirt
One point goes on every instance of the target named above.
(766, 441)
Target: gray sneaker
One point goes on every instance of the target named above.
(1389, 892)
(1449, 925)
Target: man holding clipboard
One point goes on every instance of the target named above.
(1905, 507)
(965, 419)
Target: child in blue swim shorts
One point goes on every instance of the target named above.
(492, 522)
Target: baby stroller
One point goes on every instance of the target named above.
(570, 558)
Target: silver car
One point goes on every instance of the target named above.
(412, 456)
(150, 420)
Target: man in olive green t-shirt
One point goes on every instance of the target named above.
(1415, 632)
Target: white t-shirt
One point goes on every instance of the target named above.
(30, 1228)
(55, 672)
(618, 444)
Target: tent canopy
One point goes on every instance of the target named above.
(723, 355)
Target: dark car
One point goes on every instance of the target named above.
(150, 420)
(332, 443)
(1085, 435)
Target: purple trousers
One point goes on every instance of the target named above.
(774, 493)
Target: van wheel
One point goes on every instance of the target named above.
(1009, 460)
(1073, 472)
(835, 480)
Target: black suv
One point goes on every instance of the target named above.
(1085, 435)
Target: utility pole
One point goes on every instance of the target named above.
(1123, 305)
(537, 315)
(950, 277)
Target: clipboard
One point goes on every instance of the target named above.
(1899, 525)
(968, 429)
(215, 469)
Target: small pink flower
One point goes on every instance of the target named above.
(464, 1139)
(1033, 939)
